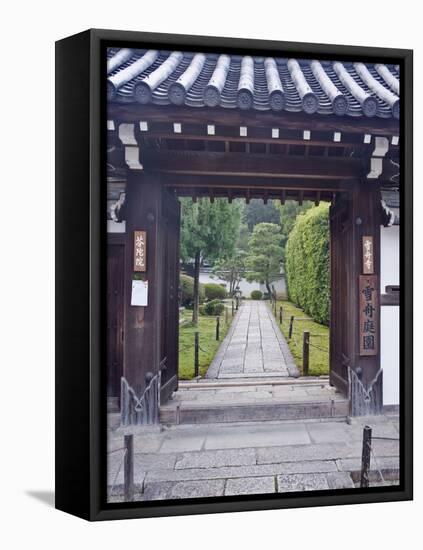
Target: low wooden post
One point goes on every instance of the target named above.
(237, 303)
(280, 314)
(226, 315)
(196, 353)
(217, 327)
(233, 308)
(306, 351)
(365, 456)
(291, 324)
(128, 467)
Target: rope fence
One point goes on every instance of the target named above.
(287, 323)
(226, 317)
(368, 454)
(127, 461)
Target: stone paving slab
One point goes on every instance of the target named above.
(306, 467)
(291, 434)
(216, 459)
(298, 482)
(187, 443)
(183, 489)
(251, 486)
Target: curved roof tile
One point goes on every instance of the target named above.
(245, 82)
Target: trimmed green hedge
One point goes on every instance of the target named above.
(256, 294)
(187, 290)
(307, 263)
(214, 290)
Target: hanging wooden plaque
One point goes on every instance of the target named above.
(369, 315)
(140, 251)
(368, 255)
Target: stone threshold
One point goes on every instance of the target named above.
(236, 381)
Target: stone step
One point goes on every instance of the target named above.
(184, 413)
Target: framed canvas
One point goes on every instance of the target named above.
(234, 218)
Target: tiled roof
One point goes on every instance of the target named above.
(244, 82)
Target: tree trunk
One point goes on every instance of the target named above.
(232, 283)
(269, 290)
(196, 288)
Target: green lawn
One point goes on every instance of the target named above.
(208, 343)
(319, 336)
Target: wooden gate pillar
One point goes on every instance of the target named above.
(141, 381)
(355, 305)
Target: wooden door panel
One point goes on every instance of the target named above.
(115, 267)
(170, 282)
(340, 251)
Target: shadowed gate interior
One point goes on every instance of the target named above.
(185, 125)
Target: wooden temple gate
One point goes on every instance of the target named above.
(219, 126)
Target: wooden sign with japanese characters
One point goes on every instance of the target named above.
(368, 256)
(140, 251)
(369, 315)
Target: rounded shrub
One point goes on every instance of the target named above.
(219, 309)
(307, 263)
(187, 291)
(215, 291)
(256, 294)
(214, 307)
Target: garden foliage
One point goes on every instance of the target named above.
(214, 307)
(214, 290)
(187, 291)
(307, 263)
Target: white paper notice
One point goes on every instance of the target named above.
(139, 296)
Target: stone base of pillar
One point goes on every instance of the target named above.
(142, 410)
(365, 401)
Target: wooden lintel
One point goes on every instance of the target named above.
(279, 185)
(133, 112)
(249, 194)
(227, 164)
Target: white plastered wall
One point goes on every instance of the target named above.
(390, 316)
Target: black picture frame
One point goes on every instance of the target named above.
(80, 279)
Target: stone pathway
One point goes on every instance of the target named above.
(253, 347)
(253, 458)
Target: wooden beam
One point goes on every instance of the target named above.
(131, 112)
(226, 164)
(198, 132)
(249, 194)
(280, 185)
